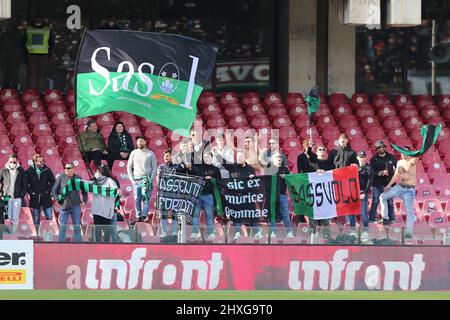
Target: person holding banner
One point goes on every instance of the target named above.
(241, 170)
(343, 155)
(207, 170)
(141, 169)
(305, 159)
(183, 158)
(168, 167)
(277, 161)
(222, 155)
(265, 157)
(405, 175)
(365, 181)
(71, 205)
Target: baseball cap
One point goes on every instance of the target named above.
(379, 144)
(361, 154)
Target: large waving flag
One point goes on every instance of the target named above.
(153, 75)
(429, 134)
(325, 195)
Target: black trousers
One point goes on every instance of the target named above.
(96, 155)
(102, 225)
(37, 65)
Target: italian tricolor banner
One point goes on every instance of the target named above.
(325, 195)
(153, 75)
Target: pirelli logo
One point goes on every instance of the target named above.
(13, 276)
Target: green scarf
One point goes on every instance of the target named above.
(81, 185)
(429, 133)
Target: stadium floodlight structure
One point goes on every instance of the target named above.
(5, 9)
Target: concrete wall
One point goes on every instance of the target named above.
(302, 44)
(302, 49)
(341, 54)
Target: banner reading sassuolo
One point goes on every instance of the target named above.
(325, 195)
(153, 75)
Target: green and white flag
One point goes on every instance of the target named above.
(153, 75)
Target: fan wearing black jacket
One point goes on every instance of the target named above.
(120, 144)
(343, 155)
(208, 171)
(365, 183)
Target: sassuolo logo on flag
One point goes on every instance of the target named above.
(325, 195)
(153, 75)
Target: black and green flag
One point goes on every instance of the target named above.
(429, 133)
(312, 102)
(247, 200)
(153, 75)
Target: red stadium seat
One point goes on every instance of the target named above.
(8, 94)
(291, 144)
(255, 109)
(360, 144)
(379, 100)
(276, 109)
(22, 140)
(294, 98)
(272, 97)
(306, 133)
(413, 122)
(444, 100)
(4, 140)
(64, 130)
(250, 98)
(153, 131)
(70, 97)
(19, 128)
(228, 97)
(410, 112)
(49, 152)
(325, 121)
(260, 121)
(157, 143)
(128, 119)
(430, 111)
(233, 110)
(119, 166)
(375, 134)
(105, 119)
(342, 110)
(105, 131)
(216, 121)
(25, 154)
(43, 142)
(323, 110)
(369, 123)
(444, 136)
(424, 100)
(442, 186)
(57, 106)
(364, 110)
(359, 99)
(30, 95)
(397, 133)
(34, 106)
(348, 121)
(59, 118)
(287, 132)
(144, 123)
(37, 118)
(330, 133)
(297, 110)
(26, 230)
(15, 117)
(386, 111)
(52, 96)
(337, 99)
(207, 97)
(42, 129)
(238, 121)
(392, 122)
(354, 132)
(435, 170)
(301, 122)
(402, 100)
(212, 109)
(432, 205)
(281, 121)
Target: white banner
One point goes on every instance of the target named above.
(16, 264)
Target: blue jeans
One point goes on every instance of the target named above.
(37, 215)
(75, 213)
(364, 218)
(206, 203)
(284, 211)
(164, 223)
(408, 200)
(137, 189)
(376, 191)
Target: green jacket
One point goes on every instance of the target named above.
(88, 140)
